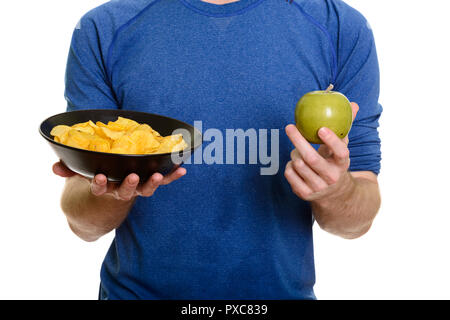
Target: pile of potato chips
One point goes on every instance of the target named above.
(122, 136)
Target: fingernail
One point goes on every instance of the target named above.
(323, 132)
(287, 128)
(132, 179)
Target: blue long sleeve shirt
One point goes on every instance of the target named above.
(224, 231)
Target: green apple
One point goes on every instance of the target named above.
(319, 109)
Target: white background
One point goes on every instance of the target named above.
(404, 256)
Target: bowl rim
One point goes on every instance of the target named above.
(191, 149)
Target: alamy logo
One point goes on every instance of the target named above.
(235, 147)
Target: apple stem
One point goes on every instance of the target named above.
(330, 87)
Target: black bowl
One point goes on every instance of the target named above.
(117, 166)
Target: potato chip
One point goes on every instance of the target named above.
(125, 142)
(98, 131)
(99, 144)
(78, 139)
(145, 142)
(115, 126)
(123, 136)
(111, 134)
(100, 124)
(84, 127)
(119, 150)
(146, 127)
(94, 126)
(172, 144)
(58, 131)
(63, 138)
(128, 124)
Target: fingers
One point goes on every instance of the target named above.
(312, 179)
(127, 189)
(355, 109)
(175, 175)
(149, 188)
(99, 185)
(130, 187)
(61, 170)
(314, 160)
(298, 185)
(337, 146)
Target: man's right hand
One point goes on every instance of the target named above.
(129, 188)
(94, 207)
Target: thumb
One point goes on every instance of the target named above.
(61, 170)
(355, 109)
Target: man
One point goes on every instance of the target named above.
(225, 231)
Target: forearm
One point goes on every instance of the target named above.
(89, 216)
(349, 213)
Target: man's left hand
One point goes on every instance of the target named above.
(323, 174)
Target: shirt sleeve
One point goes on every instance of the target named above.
(86, 81)
(359, 79)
